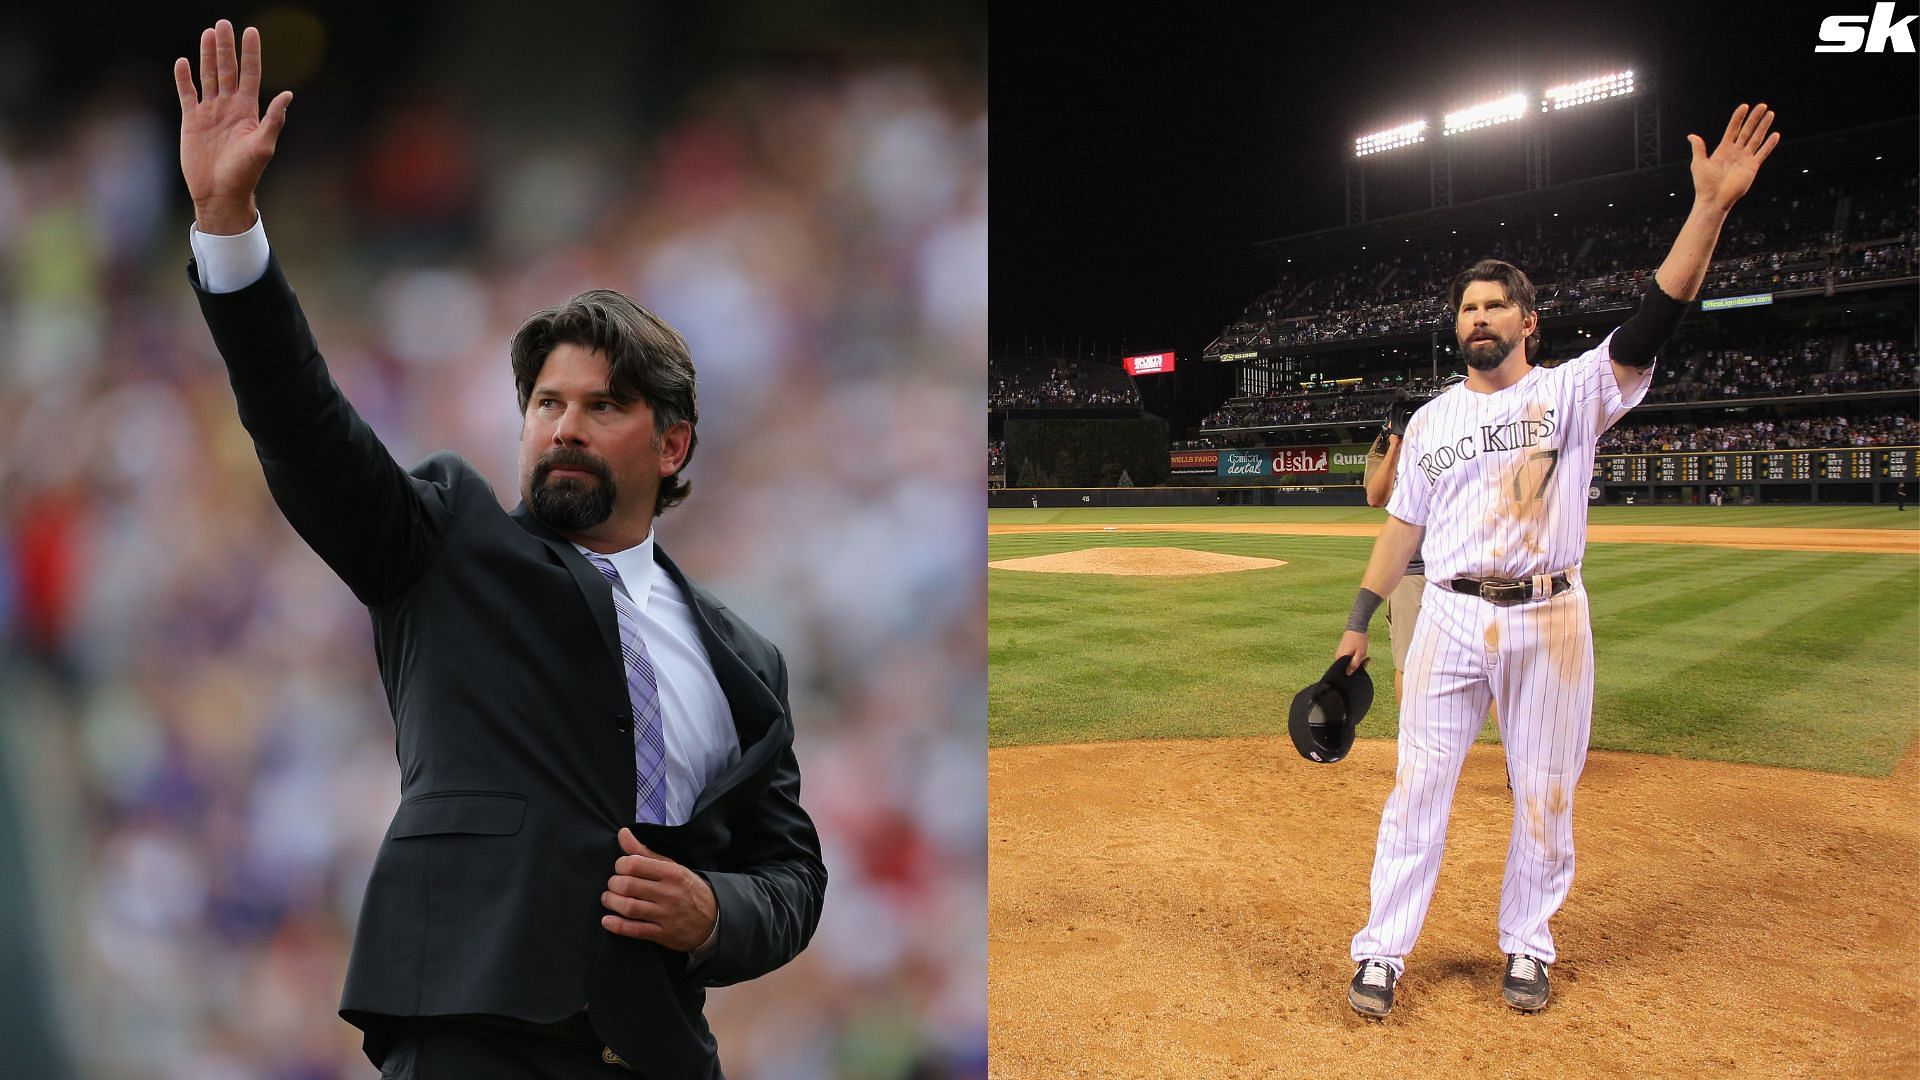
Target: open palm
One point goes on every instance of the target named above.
(225, 142)
(1725, 175)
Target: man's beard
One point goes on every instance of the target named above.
(1488, 356)
(569, 503)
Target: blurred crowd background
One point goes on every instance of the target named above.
(198, 760)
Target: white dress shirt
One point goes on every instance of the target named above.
(698, 724)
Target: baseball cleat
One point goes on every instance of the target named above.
(1525, 986)
(1371, 993)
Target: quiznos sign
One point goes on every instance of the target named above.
(1148, 363)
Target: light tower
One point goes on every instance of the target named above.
(1514, 106)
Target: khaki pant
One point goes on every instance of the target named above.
(1403, 611)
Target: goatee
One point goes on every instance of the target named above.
(570, 503)
(1486, 354)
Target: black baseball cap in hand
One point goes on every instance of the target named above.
(1324, 715)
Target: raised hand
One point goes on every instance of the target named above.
(225, 143)
(1720, 179)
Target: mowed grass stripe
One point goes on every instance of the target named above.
(1729, 609)
(1803, 659)
(1627, 580)
(1717, 600)
(1852, 713)
(1075, 656)
(1812, 663)
(1127, 515)
(1837, 516)
(1834, 516)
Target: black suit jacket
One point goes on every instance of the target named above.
(500, 655)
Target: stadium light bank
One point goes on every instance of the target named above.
(1486, 114)
(1499, 111)
(1390, 139)
(1616, 85)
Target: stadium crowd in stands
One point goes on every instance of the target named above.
(203, 687)
(1300, 409)
(1799, 433)
(1057, 383)
(1788, 242)
(1786, 368)
(1786, 365)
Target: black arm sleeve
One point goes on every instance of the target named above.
(1648, 330)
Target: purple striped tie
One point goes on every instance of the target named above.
(643, 689)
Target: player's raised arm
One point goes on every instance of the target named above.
(1719, 180)
(225, 142)
(374, 524)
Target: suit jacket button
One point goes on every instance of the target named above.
(620, 723)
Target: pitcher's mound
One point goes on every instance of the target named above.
(1137, 561)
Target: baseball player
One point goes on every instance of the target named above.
(1492, 489)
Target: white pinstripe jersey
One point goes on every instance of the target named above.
(1500, 480)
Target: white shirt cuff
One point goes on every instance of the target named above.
(699, 955)
(230, 263)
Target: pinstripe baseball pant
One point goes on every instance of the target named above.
(1534, 661)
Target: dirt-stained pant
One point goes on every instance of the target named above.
(1535, 662)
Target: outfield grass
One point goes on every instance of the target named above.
(1803, 659)
(1741, 517)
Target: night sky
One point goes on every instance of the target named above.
(1136, 160)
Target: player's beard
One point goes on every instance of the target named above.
(1489, 353)
(569, 503)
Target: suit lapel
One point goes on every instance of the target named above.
(753, 705)
(760, 721)
(593, 584)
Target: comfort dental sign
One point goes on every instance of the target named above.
(1149, 364)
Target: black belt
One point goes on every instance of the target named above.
(1498, 591)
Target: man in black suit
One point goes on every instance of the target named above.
(600, 808)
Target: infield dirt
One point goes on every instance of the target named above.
(1183, 909)
(1136, 562)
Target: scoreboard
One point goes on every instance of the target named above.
(1750, 466)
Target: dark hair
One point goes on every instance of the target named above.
(1507, 276)
(650, 362)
